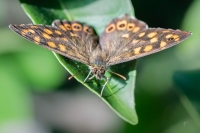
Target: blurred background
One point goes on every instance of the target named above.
(34, 98)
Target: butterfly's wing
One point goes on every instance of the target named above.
(122, 44)
(71, 39)
(118, 33)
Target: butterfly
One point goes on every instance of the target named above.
(124, 39)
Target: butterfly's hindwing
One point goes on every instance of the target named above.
(119, 32)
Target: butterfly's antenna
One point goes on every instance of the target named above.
(72, 76)
(118, 75)
(104, 85)
(87, 76)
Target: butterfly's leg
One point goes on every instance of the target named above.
(107, 79)
(87, 76)
(92, 77)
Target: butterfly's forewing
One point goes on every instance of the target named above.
(65, 38)
(132, 45)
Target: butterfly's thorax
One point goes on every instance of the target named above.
(97, 64)
(97, 58)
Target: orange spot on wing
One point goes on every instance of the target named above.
(130, 26)
(48, 31)
(58, 32)
(110, 28)
(64, 39)
(125, 35)
(36, 39)
(148, 48)
(73, 34)
(135, 41)
(121, 25)
(62, 47)
(67, 26)
(88, 30)
(136, 29)
(32, 31)
(141, 34)
(23, 32)
(176, 37)
(76, 27)
(137, 50)
(46, 36)
(155, 39)
(62, 27)
(162, 44)
(34, 26)
(26, 31)
(152, 34)
(165, 31)
(51, 44)
(169, 35)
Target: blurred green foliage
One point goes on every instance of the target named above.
(168, 83)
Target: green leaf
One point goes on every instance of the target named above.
(118, 94)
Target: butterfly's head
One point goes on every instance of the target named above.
(98, 71)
